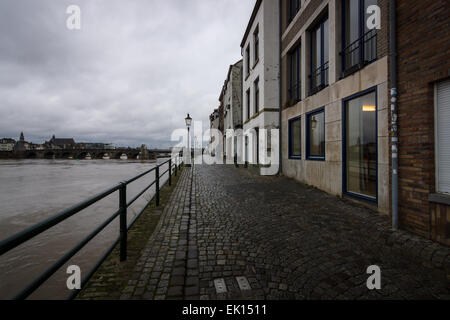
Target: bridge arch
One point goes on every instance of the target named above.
(49, 155)
(31, 155)
(66, 155)
(132, 155)
(81, 155)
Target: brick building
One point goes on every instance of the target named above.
(423, 70)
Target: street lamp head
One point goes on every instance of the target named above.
(188, 121)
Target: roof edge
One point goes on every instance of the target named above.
(250, 23)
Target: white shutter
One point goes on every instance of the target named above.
(443, 136)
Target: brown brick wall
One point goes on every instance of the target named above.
(423, 58)
(440, 223)
(383, 34)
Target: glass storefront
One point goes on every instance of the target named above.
(361, 145)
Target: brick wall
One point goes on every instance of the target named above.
(423, 58)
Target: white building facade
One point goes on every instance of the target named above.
(261, 73)
(7, 144)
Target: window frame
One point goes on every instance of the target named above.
(297, 52)
(309, 156)
(344, 144)
(247, 53)
(361, 30)
(256, 45)
(436, 144)
(248, 100)
(290, 154)
(256, 95)
(292, 12)
(320, 24)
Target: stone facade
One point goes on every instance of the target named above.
(330, 172)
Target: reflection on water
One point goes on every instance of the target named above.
(33, 190)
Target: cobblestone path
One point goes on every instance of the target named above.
(287, 241)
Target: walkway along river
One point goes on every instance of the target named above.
(33, 190)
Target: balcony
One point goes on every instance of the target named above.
(319, 78)
(359, 53)
(294, 92)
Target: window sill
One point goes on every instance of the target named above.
(440, 198)
(313, 158)
(317, 89)
(295, 158)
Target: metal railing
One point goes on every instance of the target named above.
(319, 78)
(19, 238)
(294, 91)
(359, 53)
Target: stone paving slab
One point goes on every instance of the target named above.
(285, 239)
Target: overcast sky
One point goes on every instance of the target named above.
(129, 76)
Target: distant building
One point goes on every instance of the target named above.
(232, 99)
(22, 145)
(7, 144)
(214, 123)
(58, 143)
(214, 119)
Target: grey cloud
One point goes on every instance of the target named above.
(128, 77)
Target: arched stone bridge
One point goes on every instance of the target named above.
(83, 153)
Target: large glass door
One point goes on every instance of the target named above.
(361, 145)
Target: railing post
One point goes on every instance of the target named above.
(123, 221)
(170, 171)
(157, 185)
(176, 169)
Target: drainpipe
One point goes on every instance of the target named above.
(394, 124)
(280, 147)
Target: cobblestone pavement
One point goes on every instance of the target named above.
(288, 240)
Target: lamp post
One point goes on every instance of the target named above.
(188, 120)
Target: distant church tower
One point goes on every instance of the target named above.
(22, 138)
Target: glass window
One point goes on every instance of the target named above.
(294, 74)
(256, 44)
(256, 96)
(248, 103)
(295, 138)
(247, 55)
(294, 7)
(361, 145)
(360, 43)
(316, 135)
(319, 57)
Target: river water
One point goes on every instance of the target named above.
(33, 190)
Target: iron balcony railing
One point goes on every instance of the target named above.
(319, 78)
(294, 91)
(19, 238)
(359, 53)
